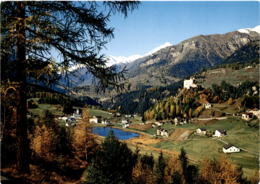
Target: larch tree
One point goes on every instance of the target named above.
(31, 31)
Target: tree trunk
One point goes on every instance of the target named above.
(23, 155)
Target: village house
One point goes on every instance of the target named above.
(125, 125)
(124, 122)
(104, 122)
(177, 120)
(189, 83)
(77, 114)
(201, 131)
(117, 114)
(183, 121)
(229, 148)
(255, 112)
(128, 115)
(247, 116)
(64, 118)
(207, 105)
(162, 132)
(219, 133)
(158, 123)
(94, 119)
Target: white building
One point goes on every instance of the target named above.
(255, 112)
(189, 83)
(207, 105)
(158, 123)
(219, 133)
(247, 116)
(104, 122)
(124, 122)
(201, 131)
(229, 148)
(63, 118)
(94, 119)
(176, 120)
(125, 125)
(162, 132)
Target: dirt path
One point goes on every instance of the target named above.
(208, 119)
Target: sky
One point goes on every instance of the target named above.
(155, 23)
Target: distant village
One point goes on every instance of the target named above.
(125, 120)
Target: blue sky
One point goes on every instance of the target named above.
(155, 23)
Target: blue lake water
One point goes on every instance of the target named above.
(120, 134)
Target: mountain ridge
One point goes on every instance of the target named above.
(175, 62)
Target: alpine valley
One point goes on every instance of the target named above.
(165, 66)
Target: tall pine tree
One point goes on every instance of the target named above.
(113, 163)
(31, 31)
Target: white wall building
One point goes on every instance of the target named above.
(162, 132)
(158, 123)
(255, 112)
(247, 116)
(219, 133)
(201, 131)
(189, 83)
(207, 105)
(94, 119)
(124, 122)
(230, 149)
(125, 125)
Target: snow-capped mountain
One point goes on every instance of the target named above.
(112, 60)
(168, 63)
(248, 30)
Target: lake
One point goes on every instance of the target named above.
(120, 134)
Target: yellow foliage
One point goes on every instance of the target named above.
(143, 175)
(43, 141)
(230, 101)
(219, 172)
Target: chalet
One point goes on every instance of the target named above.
(77, 114)
(219, 133)
(117, 114)
(63, 118)
(229, 148)
(255, 112)
(207, 105)
(128, 115)
(125, 125)
(177, 120)
(189, 84)
(247, 116)
(124, 122)
(184, 121)
(158, 123)
(104, 122)
(94, 119)
(162, 132)
(201, 131)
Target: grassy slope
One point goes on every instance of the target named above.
(97, 112)
(230, 75)
(239, 134)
